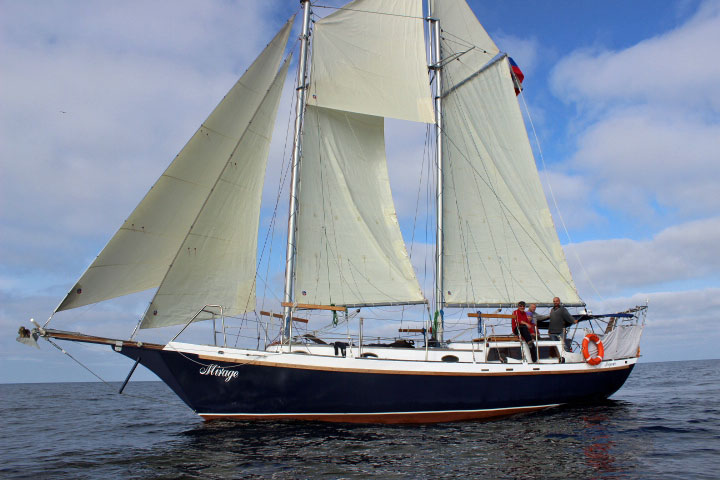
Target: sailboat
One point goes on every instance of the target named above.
(194, 239)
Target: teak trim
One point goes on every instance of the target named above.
(490, 315)
(512, 372)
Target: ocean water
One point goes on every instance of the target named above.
(664, 423)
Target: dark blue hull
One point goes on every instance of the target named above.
(267, 392)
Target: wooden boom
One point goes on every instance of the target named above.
(310, 306)
(278, 315)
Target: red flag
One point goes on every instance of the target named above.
(517, 75)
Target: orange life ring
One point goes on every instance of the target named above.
(591, 337)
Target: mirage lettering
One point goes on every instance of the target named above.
(217, 371)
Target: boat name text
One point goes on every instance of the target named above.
(217, 371)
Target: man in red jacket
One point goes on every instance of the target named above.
(522, 326)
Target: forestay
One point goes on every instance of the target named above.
(349, 250)
(369, 57)
(216, 262)
(140, 253)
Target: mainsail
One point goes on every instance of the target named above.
(465, 44)
(500, 243)
(141, 252)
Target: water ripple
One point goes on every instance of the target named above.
(662, 424)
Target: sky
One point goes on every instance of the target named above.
(96, 99)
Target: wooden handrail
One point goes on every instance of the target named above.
(411, 330)
(497, 338)
(491, 315)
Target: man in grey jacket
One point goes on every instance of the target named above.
(559, 319)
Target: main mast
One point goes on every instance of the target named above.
(289, 296)
(436, 67)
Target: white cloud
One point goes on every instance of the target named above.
(678, 324)
(675, 67)
(182, 31)
(641, 156)
(571, 193)
(649, 131)
(97, 100)
(685, 252)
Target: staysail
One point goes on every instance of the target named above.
(140, 253)
(500, 243)
(216, 262)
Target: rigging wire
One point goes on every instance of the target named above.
(471, 46)
(462, 42)
(270, 232)
(426, 153)
(273, 221)
(327, 202)
(144, 397)
(457, 206)
(506, 209)
(270, 229)
(552, 195)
